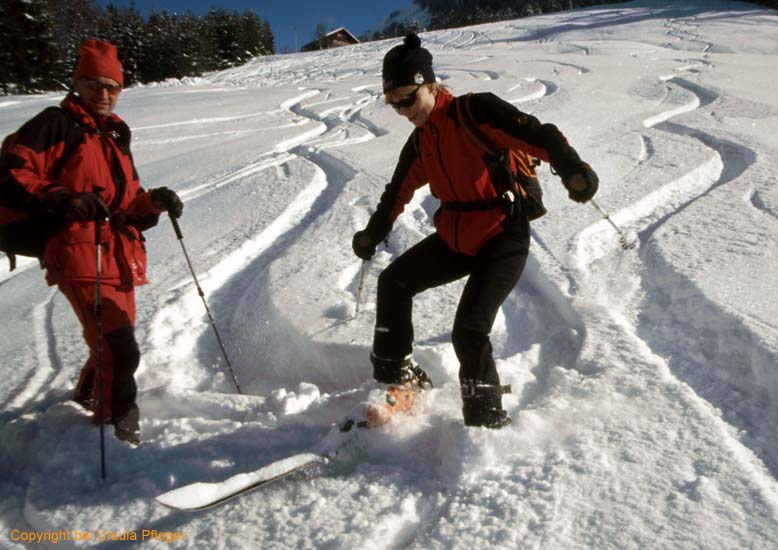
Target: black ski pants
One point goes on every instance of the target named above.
(492, 273)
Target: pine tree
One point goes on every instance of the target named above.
(191, 46)
(40, 41)
(269, 40)
(250, 39)
(28, 50)
(156, 60)
(124, 28)
(222, 29)
(73, 22)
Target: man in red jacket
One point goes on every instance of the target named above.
(74, 162)
(478, 234)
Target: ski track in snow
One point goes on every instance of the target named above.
(259, 252)
(730, 160)
(590, 335)
(756, 200)
(47, 360)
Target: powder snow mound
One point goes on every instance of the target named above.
(644, 381)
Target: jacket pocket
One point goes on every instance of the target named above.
(72, 254)
(132, 258)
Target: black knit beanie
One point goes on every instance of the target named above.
(407, 64)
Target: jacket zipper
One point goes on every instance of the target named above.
(120, 182)
(450, 184)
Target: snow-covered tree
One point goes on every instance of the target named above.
(40, 40)
(28, 48)
(125, 29)
(73, 21)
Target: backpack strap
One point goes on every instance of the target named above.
(71, 144)
(477, 135)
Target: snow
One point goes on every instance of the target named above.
(645, 380)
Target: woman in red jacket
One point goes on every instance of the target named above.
(74, 162)
(476, 235)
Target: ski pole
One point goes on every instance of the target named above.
(625, 244)
(180, 238)
(99, 319)
(360, 287)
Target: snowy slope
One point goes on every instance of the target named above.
(645, 381)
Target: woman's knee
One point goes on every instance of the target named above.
(392, 284)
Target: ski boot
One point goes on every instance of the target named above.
(404, 380)
(400, 372)
(127, 426)
(482, 405)
(85, 399)
(84, 392)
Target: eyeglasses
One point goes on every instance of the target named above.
(96, 86)
(405, 102)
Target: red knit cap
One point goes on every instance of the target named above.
(99, 58)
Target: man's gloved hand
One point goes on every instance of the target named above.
(78, 207)
(363, 245)
(578, 178)
(165, 198)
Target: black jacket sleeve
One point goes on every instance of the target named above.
(508, 127)
(408, 176)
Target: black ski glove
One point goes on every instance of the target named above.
(78, 207)
(162, 197)
(578, 178)
(363, 245)
(366, 241)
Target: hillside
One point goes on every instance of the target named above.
(645, 381)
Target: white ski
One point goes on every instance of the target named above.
(200, 496)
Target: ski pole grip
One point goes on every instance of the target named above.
(176, 228)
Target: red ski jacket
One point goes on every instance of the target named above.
(446, 157)
(99, 161)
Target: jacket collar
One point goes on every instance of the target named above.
(73, 104)
(442, 103)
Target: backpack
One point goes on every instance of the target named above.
(513, 172)
(25, 231)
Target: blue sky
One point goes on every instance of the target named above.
(289, 18)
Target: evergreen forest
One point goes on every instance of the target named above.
(39, 41)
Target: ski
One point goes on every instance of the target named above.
(201, 496)
(367, 415)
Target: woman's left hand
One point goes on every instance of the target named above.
(583, 184)
(363, 245)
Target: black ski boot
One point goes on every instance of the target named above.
(399, 372)
(127, 426)
(482, 405)
(84, 393)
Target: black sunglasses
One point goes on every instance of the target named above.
(407, 101)
(96, 86)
